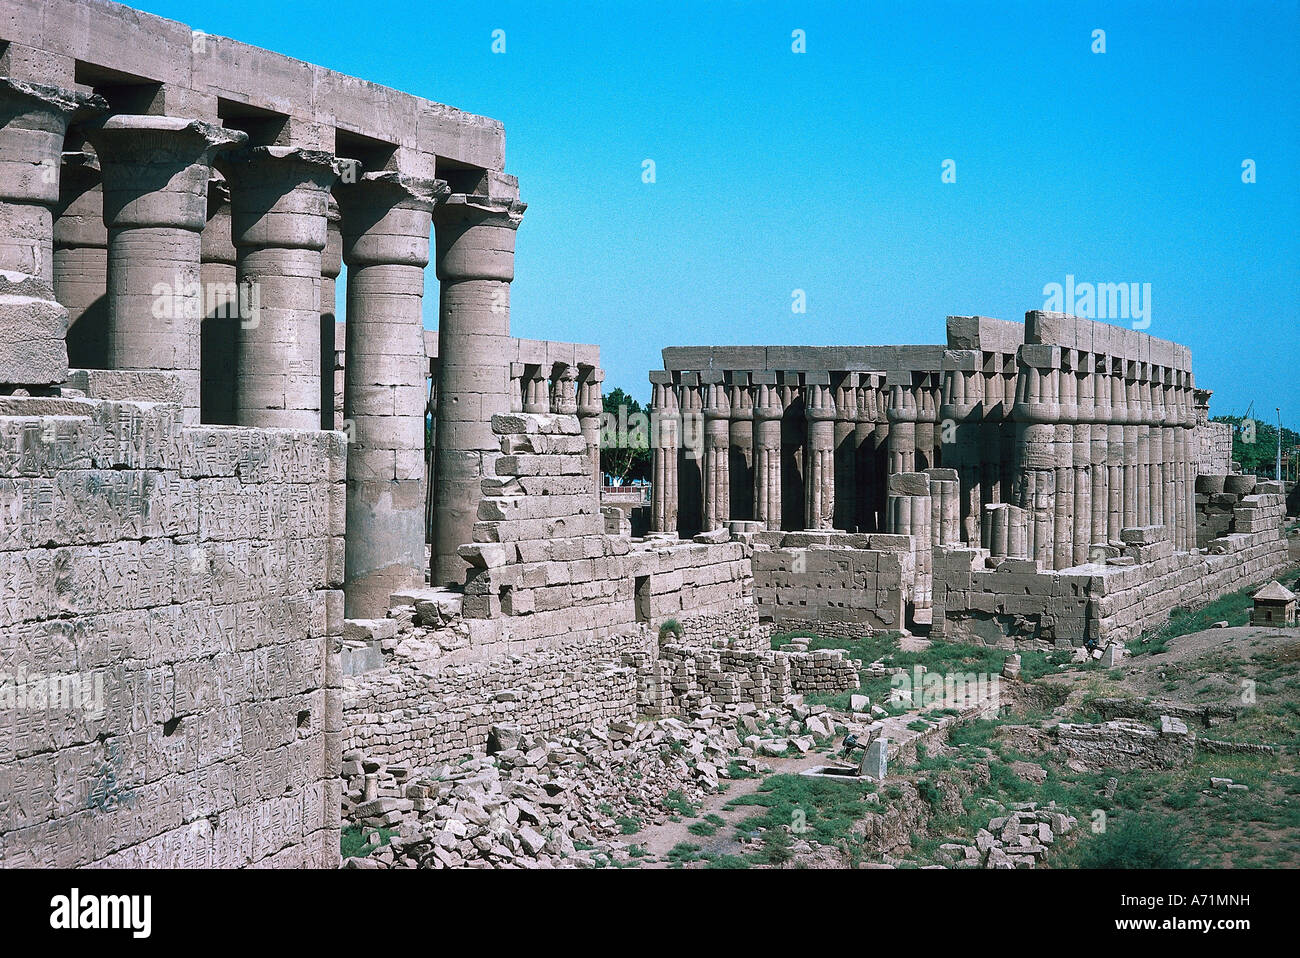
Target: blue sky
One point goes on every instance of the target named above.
(821, 171)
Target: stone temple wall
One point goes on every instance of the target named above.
(182, 582)
(833, 583)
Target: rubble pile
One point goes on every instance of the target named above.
(575, 800)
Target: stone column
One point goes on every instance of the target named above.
(33, 122)
(386, 221)
(1100, 427)
(221, 309)
(864, 463)
(590, 406)
(767, 450)
(1144, 444)
(740, 400)
(959, 417)
(1132, 445)
(279, 200)
(945, 507)
(908, 513)
(819, 457)
(535, 389)
(1115, 450)
(331, 265)
(476, 264)
(564, 390)
(902, 426)
(690, 479)
(1159, 454)
(878, 397)
(1184, 470)
(717, 451)
(794, 450)
(1064, 515)
(81, 258)
(665, 425)
(33, 326)
(156, 171)
(1036, 412)
(845, 395)
(927, 417)
(1081, 458)
(1004, 529)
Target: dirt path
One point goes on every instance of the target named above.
(659, 840)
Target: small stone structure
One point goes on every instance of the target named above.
(1274, 605)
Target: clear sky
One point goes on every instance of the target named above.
(821, 171)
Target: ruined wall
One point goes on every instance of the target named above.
(186, 578)
(1130, 600)
(680, 677)
(1015, 600)
(1213, 443)
(1115, 600)
(410, 713)
(833, 584)
(545, 574)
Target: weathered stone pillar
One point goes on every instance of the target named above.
(717, 451)
(1143, 431)
(665, 426)
(564, 389)
(590, 407)
(908, 513)
(1063, 441)
(1036, 412)
(1115, 450)
(740, 400)
(33, 122)
(902, 426)
(33, 326)
(767, 450)
(690, 479)
(928, 395)
(535, 390)
(279, 201)
(794, 453)
(1159, 454)
(845, 395)
(476, 264)
(386, 221)
(864, 463)
(819, 458)
(1004, 529)
(1184, 470)
(221, 308)
(331, 265)
(878, 397)
(1081, 457)
(156, 171)
(1100, 427)
(81, 258)
(945, 507)
(959, 418)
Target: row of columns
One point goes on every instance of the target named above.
(787, 450)
(1103, 444)
(573, 389)
(1082, 444)
(168, 265)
